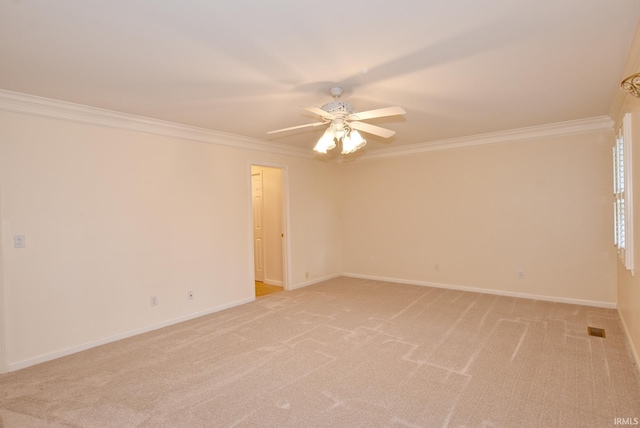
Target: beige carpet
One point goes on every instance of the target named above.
(346, 353)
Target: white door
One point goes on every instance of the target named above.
(258, 242)
(273, 225)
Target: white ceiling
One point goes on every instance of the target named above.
(458, 67)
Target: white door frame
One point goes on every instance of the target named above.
(3, 306)
(286, 242)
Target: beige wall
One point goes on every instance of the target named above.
(628, 285)
(113, 217)
(482, 214)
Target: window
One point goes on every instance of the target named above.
(622, 205)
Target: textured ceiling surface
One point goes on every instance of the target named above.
(458, 67)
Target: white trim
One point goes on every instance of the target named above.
(75, 349)
(634, 350)
(45, 107)
(619, 98)
(315, 281)
(273, 282)
(487, 291)
(628, 192)
(3, 306)
(572, 127)
(623, 193)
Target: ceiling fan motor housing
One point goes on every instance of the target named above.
(338, 108)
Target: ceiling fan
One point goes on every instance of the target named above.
(345, 124)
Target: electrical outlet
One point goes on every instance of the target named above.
(190, 294)
(373, 261)
(154, 300)
(436, 267)
(520, 274)
(306, 275)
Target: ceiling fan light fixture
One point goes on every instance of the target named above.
(347, 145)
(357, 139)
(352, 142)
(344, 123)
(326, 142)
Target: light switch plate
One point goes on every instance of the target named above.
(19, 241)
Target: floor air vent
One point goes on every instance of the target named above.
(595, 331)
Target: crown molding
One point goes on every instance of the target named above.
(631, 66)
(580, 126)
(45, 107)
(618, 102)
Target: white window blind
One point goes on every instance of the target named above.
(622, 182)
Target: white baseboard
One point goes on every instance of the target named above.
(74, 349)
(607, 305)
(634, 350)
(273, 282)
(314, 281)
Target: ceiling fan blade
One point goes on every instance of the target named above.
(319, 112)
(372, 129)
(381, 112)
(297, 127)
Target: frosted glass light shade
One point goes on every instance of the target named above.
(352, 142)
(357, 139)
(326, 142)
(347, 145)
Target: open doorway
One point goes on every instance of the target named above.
(268, 208)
